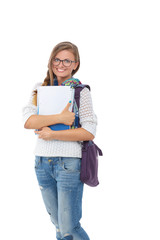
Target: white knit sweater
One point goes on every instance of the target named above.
(57, 148)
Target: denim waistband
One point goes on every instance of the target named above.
(54, 159)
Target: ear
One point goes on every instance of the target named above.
(76, 65)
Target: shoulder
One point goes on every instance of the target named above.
(85, 90)
(82, 88)
(37, 85)
(85, 96)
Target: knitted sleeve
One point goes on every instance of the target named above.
(30, 108)
(88, 119)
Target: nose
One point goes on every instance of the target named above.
(61, 64)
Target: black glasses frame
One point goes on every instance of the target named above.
(59, 60)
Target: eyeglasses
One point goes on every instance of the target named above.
(65, 62)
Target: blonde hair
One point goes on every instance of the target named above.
(50, 75)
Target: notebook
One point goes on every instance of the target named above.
(52, 100)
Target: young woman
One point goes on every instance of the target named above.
(58, 153)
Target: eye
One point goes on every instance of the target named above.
(56, 60)
(67, 61)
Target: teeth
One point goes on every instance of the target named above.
(60, 70)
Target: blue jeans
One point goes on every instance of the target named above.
(62, 190)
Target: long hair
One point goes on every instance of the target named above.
(50, 74)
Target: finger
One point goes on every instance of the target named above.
(37, 132)
(67, 106)
(40, 135)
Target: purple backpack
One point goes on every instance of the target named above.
(90, 152)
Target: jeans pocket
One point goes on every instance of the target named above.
(71, 165)
(37, 162)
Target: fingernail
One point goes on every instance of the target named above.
(70, 101)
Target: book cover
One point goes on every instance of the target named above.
(52, 100)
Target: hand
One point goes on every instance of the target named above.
(67, 117)
(45, 133)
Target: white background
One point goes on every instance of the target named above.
(119, 44)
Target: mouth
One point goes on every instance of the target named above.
(60, 70)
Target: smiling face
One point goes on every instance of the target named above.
(62, 72)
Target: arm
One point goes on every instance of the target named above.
(33, 121)
(78, 134)
(40, 121)
(88, 123)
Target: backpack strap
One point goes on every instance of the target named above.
(99, 150)
(78, 89)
